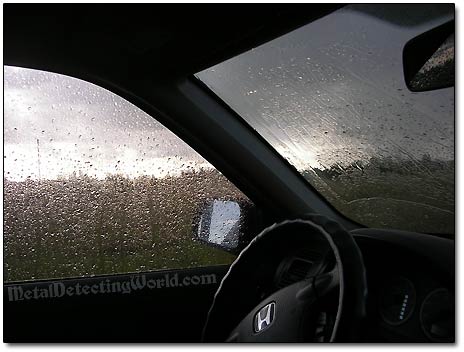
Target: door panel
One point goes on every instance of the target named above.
(153, 312)
(96, 189)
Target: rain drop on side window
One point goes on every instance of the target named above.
(93, 185)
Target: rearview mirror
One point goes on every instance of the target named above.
(226, 224)
(428, 60)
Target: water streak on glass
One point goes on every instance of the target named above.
(331, 98)
(94, 186)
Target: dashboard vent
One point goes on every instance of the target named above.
(296, 271)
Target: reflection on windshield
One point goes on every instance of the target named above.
(331, 98)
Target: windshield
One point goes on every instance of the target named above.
(331, 98)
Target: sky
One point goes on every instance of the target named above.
(330, 92)
(83, 128)
(333, 91)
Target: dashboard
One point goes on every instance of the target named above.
(411, 286)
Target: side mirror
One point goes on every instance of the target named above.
(227, 224)
(428, 60)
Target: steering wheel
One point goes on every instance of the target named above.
(252, 304)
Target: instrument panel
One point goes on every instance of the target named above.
(434, 313)
(397, 300)
(411, 298)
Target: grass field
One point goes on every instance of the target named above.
(414, 195)
(82, 226)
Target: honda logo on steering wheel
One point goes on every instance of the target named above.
(264, 317)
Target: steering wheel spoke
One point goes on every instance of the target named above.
(292, 313)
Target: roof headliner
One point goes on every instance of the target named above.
(120, 43)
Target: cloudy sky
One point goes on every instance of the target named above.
(333, 91)
(82, 128)
(329, 92)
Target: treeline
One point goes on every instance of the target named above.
(378, 166)
(80, 225)
(85, 226)
(409, 194)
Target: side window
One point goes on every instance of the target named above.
(93, 185)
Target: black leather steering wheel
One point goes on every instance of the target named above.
(289, 314)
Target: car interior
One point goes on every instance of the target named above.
(303, 271)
